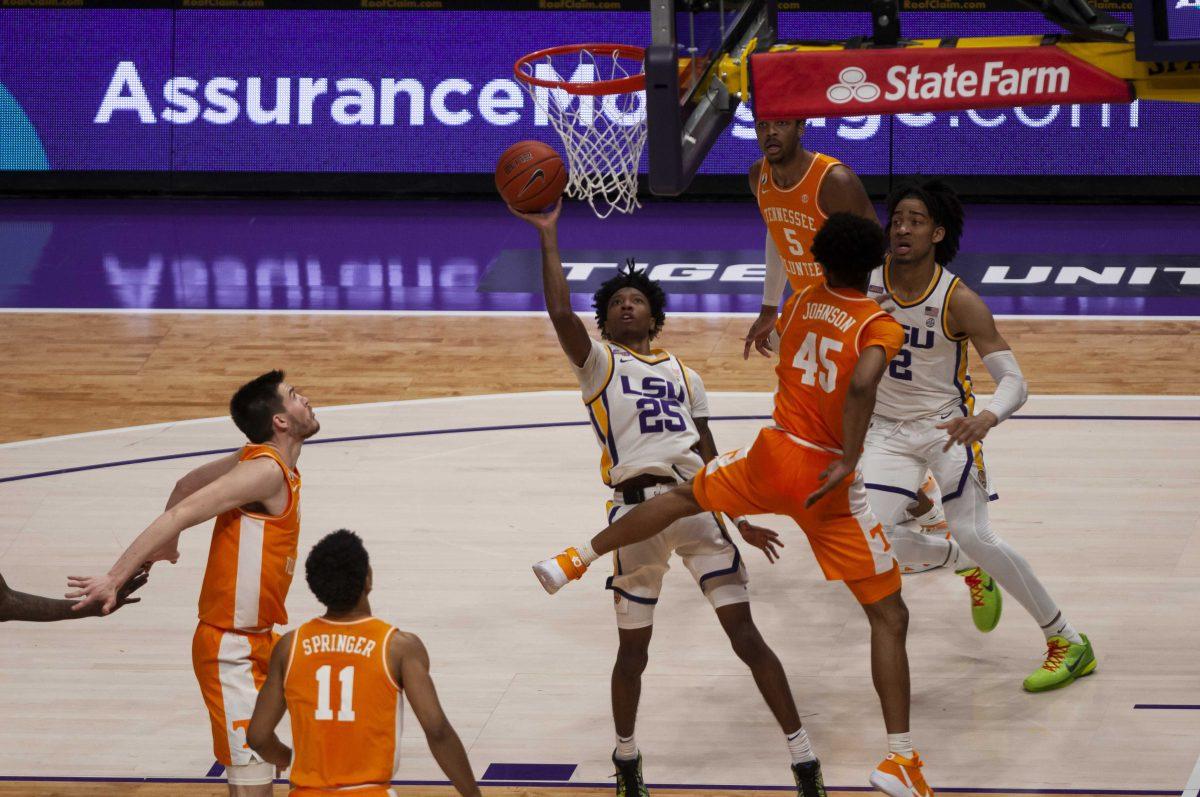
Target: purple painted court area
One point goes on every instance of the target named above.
(472, 256)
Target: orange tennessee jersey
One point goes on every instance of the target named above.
(793, 217)
(821, 334)
(345, 707)
(251, 560)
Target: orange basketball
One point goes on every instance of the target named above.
(530, 176)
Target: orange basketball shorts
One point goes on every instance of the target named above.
(774, 475)
(231, 667)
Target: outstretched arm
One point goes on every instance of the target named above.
(202, 476)
(968, 316)
(572, 334)
(249, 482)
(856, 416)
(269, 708)
(409, 660)
(36, 609)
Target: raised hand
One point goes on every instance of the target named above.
(544, 219)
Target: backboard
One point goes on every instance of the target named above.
(688, 104)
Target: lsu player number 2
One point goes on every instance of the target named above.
(813, 359)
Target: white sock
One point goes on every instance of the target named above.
(934, 516)
(900, 744)
(626, 748)
(587, 554)
(800, 747)
(931, 489)
(1060, 627)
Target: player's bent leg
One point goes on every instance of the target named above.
(755, 653)
(642, 523)
(1069, 654)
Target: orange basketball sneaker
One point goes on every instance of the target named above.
(555, 573)
(898, 776)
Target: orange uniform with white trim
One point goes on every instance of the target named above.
(345, 708)
(793, 216)
(252, 559)
(250, 564)
(822, 333)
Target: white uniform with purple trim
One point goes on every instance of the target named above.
(643, 411)
(925, 384)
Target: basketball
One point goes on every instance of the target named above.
(530, 176)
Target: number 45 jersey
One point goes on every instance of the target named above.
(345, 708)
(822, 332)
(929, 374)
(643, 411)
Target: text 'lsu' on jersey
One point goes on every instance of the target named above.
(928, 376)
(251, 560)
(793, 216)
(346, 709)
(642, 410)
(822, 332)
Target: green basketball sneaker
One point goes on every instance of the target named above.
(629, 777)
(1064, 663)
(986, 601)
(809, 782)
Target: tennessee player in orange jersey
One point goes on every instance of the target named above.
(340, 678)
(254, 495)
(834, 344)
(796, 190)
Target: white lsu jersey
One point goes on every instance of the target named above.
(928, 376)
(643, 411)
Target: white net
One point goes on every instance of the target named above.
(603, 135)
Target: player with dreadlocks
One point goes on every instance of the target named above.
(650, 416)
(925, 419)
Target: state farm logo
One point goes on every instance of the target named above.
(852, 85)
(906, 82)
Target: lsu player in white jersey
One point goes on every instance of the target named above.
(925, 419)
(650, 415)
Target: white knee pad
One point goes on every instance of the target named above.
(258, 773)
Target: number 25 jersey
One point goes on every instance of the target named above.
(642, 410)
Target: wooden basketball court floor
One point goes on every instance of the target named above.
(481, 464)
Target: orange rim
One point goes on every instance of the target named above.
(622, 85)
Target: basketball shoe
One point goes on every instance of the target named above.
(809, 782)
(986, 600)
(897, 776)
(1064, 663)
(629, 777)
(555, 573)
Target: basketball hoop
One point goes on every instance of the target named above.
(602, 120)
